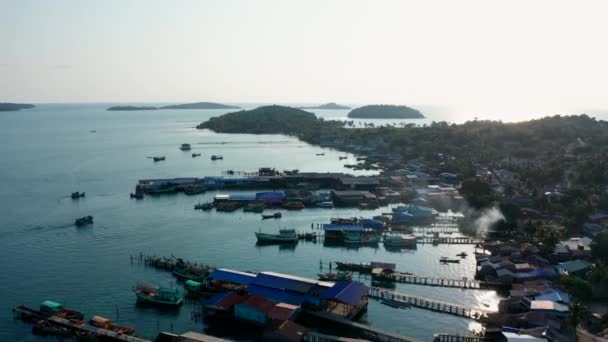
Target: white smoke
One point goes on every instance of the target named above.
(487, 219)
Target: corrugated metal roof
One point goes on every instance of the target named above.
(259, 303)
(333, 227)
(232, 276)
(347, 292)
(224, 300)
(277, 295)
(284, 282)
(270, 195)
(282, 311)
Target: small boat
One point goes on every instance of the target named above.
(340, 276)
(152, 294)
(185, 147)
(194, 155)
(50, 308)
(137, 195)
(44, 327)
(218, 157)
(194, 190)
(284, 236)
(93, 131)
(105, 323)
(293, 205)
(328, 204)
(83, 221)
(77, 195)
(363, 268)
(340, 158)
(157, 159)
(399, 240)
(275, 216)
(462, 254)
(254, 208)
(397, 304)
(320, 154)
(448, 260)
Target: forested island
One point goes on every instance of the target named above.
(331, 105)
(132, 108)
(11, 107)
(200, 105)
(385, 112)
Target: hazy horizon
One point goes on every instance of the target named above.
(532, 54)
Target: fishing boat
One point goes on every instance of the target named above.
(362, 268)
(397, 304)
(293, 205)
(462, 254)
(340, 158)
(137, 195)
(327, 204)
(399, 240)
(194, 190)
(157, 159)
(361, 238)
(307, 236)
(275, 216)
(320, 154)
(340, 276)
(448, 260)
(218, 157)
(185, 147)
(284, 236)
(194, 155)
(152, 294)
(77, 195)
(83, 221)
(254, 208)
(44, 327)
(105, 323)
(50, 308)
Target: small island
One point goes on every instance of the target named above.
(11, 107)
(385, 112)
(131, 108)
(331, 105)
(200, 105)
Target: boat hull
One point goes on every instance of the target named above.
(146, 300)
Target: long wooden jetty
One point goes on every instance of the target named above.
(368, 331)
(459, 338)
(436, 229)
(114, 336)
(463, 283)
(461, 240)
(428, 304)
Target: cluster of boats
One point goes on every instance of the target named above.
(446, 260)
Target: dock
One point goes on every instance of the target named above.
(368, 332)
(95, 331)
(463, 283)
(436, 240)
(429, 304)
(459, 338)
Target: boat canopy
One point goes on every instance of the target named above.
(51, 305)
(193, 283)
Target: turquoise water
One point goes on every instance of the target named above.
(49, 152)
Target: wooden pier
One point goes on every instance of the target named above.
(368, 332)
(95, 331)
(463, 283)
(436, 240)
(428, 304)
(436, 229)
(459, 338)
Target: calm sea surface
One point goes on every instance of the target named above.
(49, 152)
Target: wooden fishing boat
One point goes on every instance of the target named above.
(448, 260)
(362, 268)
(217, 157)
(105, 323)
(77, 195)
(284, 236)
(275, 215)
(194, 155)
(44, 327)
(462, 254)
(50, 308)
(185, 147)
(83, 221)
(152, 294)
(397, 304)
(340, 276)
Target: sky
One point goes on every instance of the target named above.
(396, 52)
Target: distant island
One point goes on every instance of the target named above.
(263, 120)
(331, 105)
(11, 107)
(200, 105)
(131, 108)
(385, 112)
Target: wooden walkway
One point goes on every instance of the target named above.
(436, 229)
(463, 283)
(459, 338)
(463, 240)
(368, 332)
(428, 304)
(96, 331)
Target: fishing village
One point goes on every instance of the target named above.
(418, 206)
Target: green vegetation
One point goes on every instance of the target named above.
(385, 112)
(131, 108)
(478, 193)
(10, 107)
(200, 105)
(331, 105)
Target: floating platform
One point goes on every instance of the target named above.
(400, 277)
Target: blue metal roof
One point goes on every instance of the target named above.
(270, 195)
(347, 292)
(218, 297)
(277, 295)
(332, 227)
(232, 276)
(282, 283)
(242, 197)
(373, 224)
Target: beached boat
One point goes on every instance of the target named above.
(399, 240)
(185, 147)
(105, 323)
(157, 159)
(275, 216)
(152, 294)
(194, 155)
(284, 236)
(448, 260)
(340, 276)
(83, 221)
(217, 157)
(77, 195)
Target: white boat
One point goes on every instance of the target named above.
(327, 204)
(284, 236)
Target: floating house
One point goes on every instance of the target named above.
(352, 197)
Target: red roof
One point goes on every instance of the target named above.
(259, 303)
(282, 311)
(229, 300)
